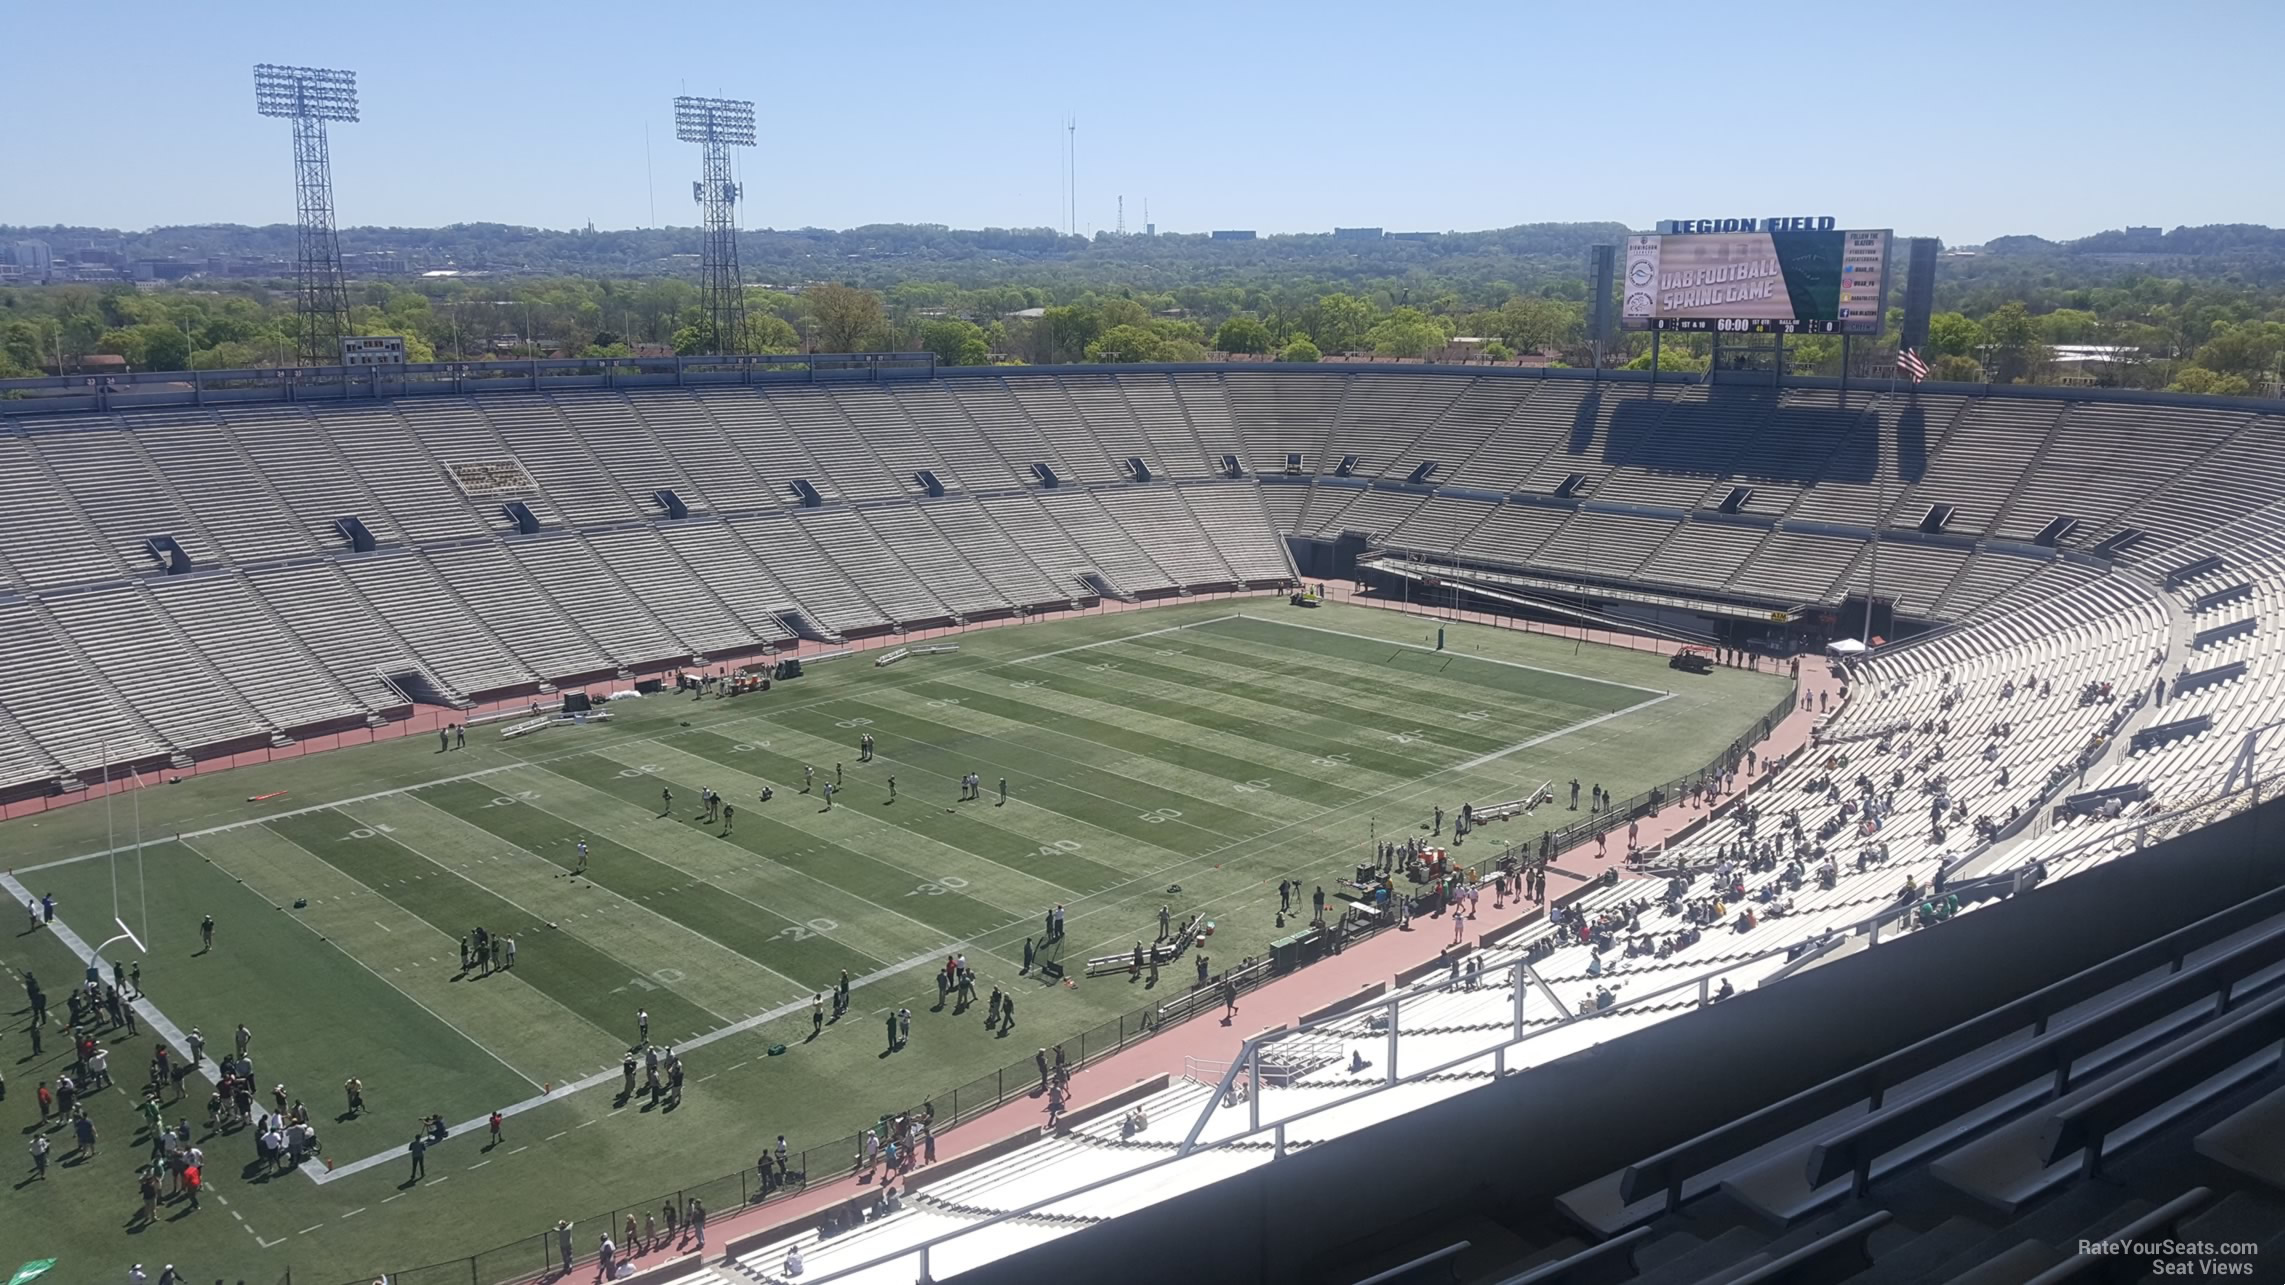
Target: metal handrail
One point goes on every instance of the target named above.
(1249, 1053)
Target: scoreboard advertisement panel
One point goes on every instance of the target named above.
(1790, 281)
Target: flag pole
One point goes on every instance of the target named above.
(1872, 570)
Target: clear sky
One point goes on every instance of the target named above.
(1965, 121)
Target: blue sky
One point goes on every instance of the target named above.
(1965, 121)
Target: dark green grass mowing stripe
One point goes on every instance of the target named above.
(867, 878)
(1444, 705)
(1538, 684)
(1047, 738)
(557, 963)
(967, 826)
(707, 909)
(1449, 697)
(1285, 709)
(1109, 801)
(317, 1016)
(1356, 751)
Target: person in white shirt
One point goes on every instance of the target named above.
(793, 1261)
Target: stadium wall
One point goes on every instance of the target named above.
(54, 393)
(1521, 1141)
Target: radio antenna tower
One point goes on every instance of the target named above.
(717, 125)
(309, 97)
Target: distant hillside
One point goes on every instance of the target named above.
(886, 253)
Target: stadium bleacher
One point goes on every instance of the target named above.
(258, 492)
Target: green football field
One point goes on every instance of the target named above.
(1218, 746)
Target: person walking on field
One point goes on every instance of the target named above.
(206, 932)
(643, 1024)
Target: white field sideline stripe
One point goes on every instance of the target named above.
(773, 711)
(1489, 660)
(328, 805)
(1151, 633)
(151, 1015)
(610, 1074)
(1521, 746)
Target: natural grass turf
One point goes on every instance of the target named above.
(1222, 757)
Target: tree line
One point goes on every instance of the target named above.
(2003, 319)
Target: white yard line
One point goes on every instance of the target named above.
(611, 1074)
(347, 954)
(1489, 660)
(1560, 732)
(144, 1008)
(927, 929)
(621, 899)
(1152, 633)
(694, 876)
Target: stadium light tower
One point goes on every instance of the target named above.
(717, 125)
(309, 97)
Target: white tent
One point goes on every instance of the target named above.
(1846, 647)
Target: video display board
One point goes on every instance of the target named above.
(1821, 282)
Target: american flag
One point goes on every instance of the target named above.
(1909, 362)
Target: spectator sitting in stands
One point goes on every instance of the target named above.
(1135, 1122)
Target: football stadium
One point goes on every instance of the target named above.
(774, 819)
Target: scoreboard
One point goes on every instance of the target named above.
(1791, 281)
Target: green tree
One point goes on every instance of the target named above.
(956, 343)
(1536, 325)
(1338, 322)
(1125, 344)
(1672, 359)
(1065, 334)
(1497, 351)
(2248, 349)
(846, 318)
(2069, 326)
(1243, 333)
(1956, 369)
(1407, 332)
(1300, 350)
(2012, 338)
(1953, 335)
(768, 332)
(2198, 379)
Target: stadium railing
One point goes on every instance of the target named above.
(539, 1256)
(1651, 802)
(2207, 809)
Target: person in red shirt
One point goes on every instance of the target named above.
(496, 1119)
